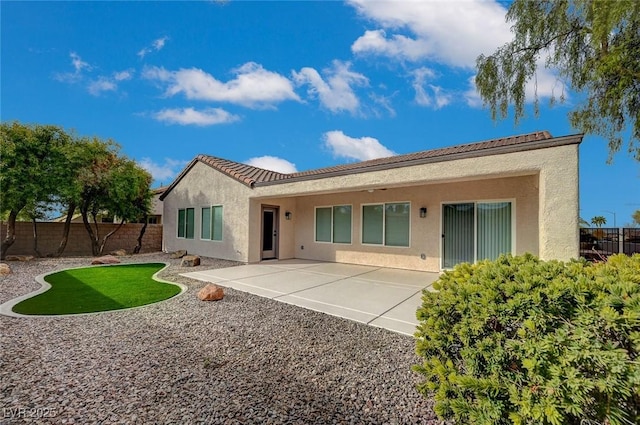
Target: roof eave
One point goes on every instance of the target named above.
(573, 139)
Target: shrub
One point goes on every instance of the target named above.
(524, 341)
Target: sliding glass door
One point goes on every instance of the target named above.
(475, 231)
(457, 239)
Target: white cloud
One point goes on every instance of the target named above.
(78, 67)
(78, 64)
(454, 35)
(471, 96)
(190, 116)
(384, 102)
(164, 172)
(123, 75)
(101, 85)
(253, 86)
(398, 46)
(437, 98)
(360, 149)
(545, 83)
(335, 90)
(156, 45)
(272, 163)
(106, 84)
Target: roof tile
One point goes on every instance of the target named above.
(251, 175)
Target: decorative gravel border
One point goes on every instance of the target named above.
(240, 360)
(7, 308)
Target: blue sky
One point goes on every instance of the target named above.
(290, 85)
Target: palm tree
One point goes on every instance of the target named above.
(599, 221)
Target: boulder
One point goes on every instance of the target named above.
(178, 254)
(105, 259)
(4, 269)
(19, 257)
(190, 261)
(211, 292)
(119, 253)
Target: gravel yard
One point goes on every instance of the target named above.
(242, 360)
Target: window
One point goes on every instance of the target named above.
(333, 224)
(474, 231)
(216, 223)
(186, 223)
(211, 228)
(205, 229)
(386, 224)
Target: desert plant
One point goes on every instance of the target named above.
(519, 340)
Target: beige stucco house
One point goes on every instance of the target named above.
(423, 211)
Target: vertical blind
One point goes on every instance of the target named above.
(494, 229)
(475, 231)
(458, 234)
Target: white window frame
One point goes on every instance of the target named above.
(315, 224)
(185, 209)
(384, 224)
(211, 227)
(475, 203)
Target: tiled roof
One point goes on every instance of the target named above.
(159, 190)
(433, 153)
(244, 173)
(254, 176)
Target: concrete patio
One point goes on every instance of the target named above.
(382, 297)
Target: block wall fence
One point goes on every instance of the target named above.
(79, 244)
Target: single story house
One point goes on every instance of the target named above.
(425, 211)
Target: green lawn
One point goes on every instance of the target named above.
(102, 288)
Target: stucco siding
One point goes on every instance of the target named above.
(559, 205)
(203, 187)
(286, 228)
(425, 232)
(542, 185)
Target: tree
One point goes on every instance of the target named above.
(31, 158)
(594, 47)
(110, 184)
(636, 217)
(598, 221)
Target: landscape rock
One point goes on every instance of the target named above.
(19, 257)
(211, 292)
(184, 361)
(119, 253)
(178, 254)
(190, 261)
(4, 269)
(105, 259)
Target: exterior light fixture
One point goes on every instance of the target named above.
(287, 215)
(423, 212)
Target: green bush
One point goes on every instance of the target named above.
(524, 341)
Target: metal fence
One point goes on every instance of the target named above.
(605, 241)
